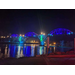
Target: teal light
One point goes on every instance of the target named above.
(71, 32)
(68, 33)
(41, 39)
(50, 34)
(20, 38)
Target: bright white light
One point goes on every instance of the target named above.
(42, 33)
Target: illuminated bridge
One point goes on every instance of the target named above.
(61, 31)
(42, 37)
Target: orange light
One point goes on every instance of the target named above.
(54, 43)
(23, 35)
(20, 34)
(41, 32)
(4, 36)
(1, 36)
(7, 36)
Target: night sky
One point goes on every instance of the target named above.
(29, 20)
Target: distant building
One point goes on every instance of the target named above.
(32, 40)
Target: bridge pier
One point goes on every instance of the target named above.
(42, 43)
(47, 44)
(74, 45)
(22, 39)
(42, 39)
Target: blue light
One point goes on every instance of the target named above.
(24, 51)
(14, 35)
(38, 50)
(71, 32)
(32, 50)
(57, 33)
(51, 34)
(28, 51)
(34, 35)
(42, 43)
(68, 33)
(31, 34)
(48, 34)
(60, 31)
(14, 51)
(21, 41)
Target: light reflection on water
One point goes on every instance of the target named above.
(25, 50)
(54, 49)
(32, 50)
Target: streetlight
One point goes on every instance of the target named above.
(20, 34)
(23, 35)
(42, 33)
(54, 43)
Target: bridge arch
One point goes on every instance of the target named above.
(14, 35)
(61, 31)
(31, 34)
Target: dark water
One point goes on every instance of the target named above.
(27, 50)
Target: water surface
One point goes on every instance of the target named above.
(27, 50)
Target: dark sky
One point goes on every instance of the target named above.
(29, 20)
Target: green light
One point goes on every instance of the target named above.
(41, 38)
(20, 38)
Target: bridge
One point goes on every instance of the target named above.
(42, 37)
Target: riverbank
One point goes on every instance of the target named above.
(42, 60)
